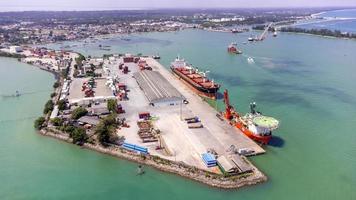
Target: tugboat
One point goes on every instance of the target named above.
(233, 49)
(254, 125)
(195, 79)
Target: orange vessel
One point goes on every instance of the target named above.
(254, 125)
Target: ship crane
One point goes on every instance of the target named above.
(254, 125)
(229, 110)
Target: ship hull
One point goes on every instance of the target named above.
(258, 138)
(200, 90)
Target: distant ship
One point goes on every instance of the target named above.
(195, 79)
(254, 125)
(157, 57)
(235, 30)
(233, 49)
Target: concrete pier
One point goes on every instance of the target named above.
(183, 144)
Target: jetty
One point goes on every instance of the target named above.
(158, 118)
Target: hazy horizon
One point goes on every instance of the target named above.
(89, 5)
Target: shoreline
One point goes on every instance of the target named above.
(168, 166)
(317, 35)
(165, 165)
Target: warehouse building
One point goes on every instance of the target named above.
(157, 89)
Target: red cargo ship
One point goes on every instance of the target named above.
(195, 79)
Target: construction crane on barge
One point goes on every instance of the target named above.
(264, 33)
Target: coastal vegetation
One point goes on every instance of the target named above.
(48, 107)
(321, 32)
(39, 123)
(105, 130)
(78, 113)
(57, 121)
(56, 84)
(78, 135)
(61, 104)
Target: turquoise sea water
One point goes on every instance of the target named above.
(307, 82)
(347, 24)
(345, 13)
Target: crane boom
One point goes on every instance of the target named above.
(228, 114)
(263, 35)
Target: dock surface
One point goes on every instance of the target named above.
(182, 143)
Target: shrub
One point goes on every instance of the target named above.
(39, 122)
(61, 104)
(56, 84)
(78, 113)
(48, 107)
(112, 105)
(57, 121)
(79, 136)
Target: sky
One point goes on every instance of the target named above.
(20, 5)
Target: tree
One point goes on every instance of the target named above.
(61, 104)
(39, 122)
(79, 136)
(56, 84)
(57, 121)
(112, 105)
(79, 60)
(69, 129)
(78, 113)
(106, 130)
(48, 107)
(103, 133)
(53, 94)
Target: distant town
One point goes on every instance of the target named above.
(31, 28)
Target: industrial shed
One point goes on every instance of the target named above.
(233, 164)
(157, 89)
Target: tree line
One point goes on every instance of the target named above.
(322, 32)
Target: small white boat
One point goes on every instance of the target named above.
(250, 60)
